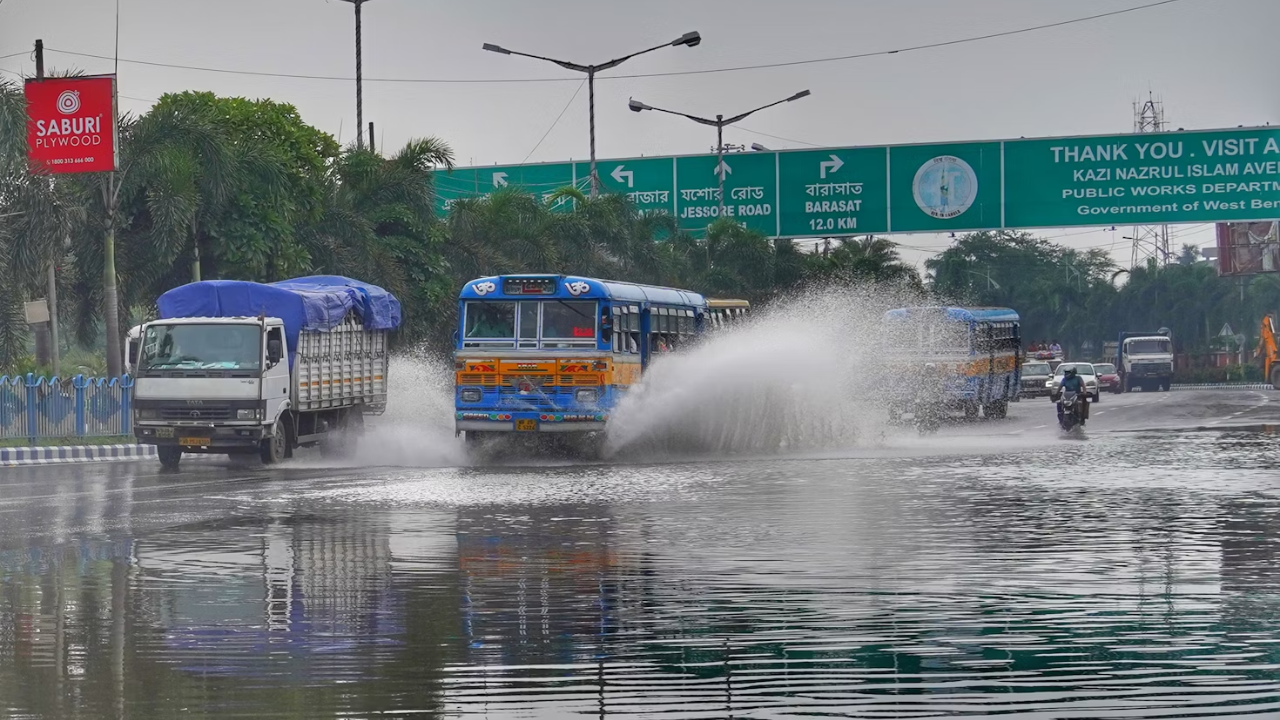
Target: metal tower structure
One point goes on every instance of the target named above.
(1150, 241)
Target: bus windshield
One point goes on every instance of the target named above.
(202, 347)
(530, 324)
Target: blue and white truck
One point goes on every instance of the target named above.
(237, 367)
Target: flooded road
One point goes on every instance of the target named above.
(995, 569)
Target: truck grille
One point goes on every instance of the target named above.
(196, 412)
(1152, 368)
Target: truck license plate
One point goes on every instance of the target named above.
(526, 425)
(193, 441)
(164, 432)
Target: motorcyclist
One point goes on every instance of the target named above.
(928, 408)
(1072, 382)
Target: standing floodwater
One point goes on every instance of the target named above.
(991, 570)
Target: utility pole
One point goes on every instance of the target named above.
(51, 279)
(359, 77)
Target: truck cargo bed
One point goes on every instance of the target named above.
(342, 367)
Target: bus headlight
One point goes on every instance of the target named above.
(585, 395)
(470, 396)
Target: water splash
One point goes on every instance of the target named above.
(800, 376)
(417, 429)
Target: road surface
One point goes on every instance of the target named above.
(996, 567)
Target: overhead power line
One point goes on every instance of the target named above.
(736, 68)
(554, 123)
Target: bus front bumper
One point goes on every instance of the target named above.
(529, 422)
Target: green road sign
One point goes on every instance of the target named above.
(750, 189)
(537, 180)
(1227, 175)
(647, 182)
(1178, 177)
(833, 192)
(941, 188)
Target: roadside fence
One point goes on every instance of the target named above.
(38, 408)
(1221, 386)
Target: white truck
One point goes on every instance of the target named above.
(245, 368)
(1144, 361)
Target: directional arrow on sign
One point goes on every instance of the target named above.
(619, 174)
(722, 169)
(832, 165)
(499, 179)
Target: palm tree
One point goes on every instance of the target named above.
(172, 160)
(378, 222)
(35, 217)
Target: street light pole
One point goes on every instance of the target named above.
(720, 160)
(359, 78)
(689, 39)
(719, 122)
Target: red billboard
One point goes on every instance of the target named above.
(1248, 248)
(71, 125)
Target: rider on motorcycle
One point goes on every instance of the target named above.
(1072, 382)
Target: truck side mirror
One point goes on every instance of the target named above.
(275, 351)
(133, 353)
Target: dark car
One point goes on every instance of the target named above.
(1034, 376)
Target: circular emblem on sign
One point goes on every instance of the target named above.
(945, 187)
(69, 102)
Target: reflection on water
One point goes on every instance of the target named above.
(1138, 581)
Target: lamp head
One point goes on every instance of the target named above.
(637, 106)
(496, 48)
(692, 39)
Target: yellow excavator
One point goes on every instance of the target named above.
(1267, 352)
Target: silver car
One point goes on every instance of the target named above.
(1087, 374)
(1034, 376)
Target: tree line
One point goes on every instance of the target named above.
(229, 188)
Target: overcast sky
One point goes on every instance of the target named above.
(1212, 62)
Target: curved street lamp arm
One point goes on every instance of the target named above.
(736, 118)
(695, 118)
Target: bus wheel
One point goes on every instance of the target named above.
(971, 410)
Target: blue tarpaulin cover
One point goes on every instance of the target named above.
(317, 303)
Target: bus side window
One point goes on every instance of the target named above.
(619, 332)
(633, 329)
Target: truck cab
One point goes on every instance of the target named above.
(1144, 361)
(211, 385)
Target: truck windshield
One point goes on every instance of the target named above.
(1149, 347)
(202, 347)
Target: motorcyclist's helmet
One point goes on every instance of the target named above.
(930, 368)
(1069, 372)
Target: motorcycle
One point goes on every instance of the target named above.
(928, 417)
(1070, 412)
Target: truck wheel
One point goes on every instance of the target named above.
(1275, 377)
(169, 457)
(971, 410)
(274, 447)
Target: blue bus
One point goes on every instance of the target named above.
(977, 350)
(556, 353)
